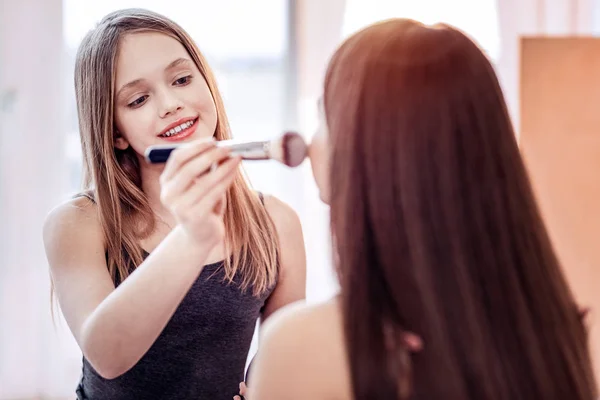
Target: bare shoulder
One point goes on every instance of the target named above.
(299, 322)
(71, 228)
(77, 207)
(291, 283)
(283, 215)
(73, 217)
(300, 312)
(302, 347)
(289, 230)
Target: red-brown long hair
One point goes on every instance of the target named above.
(437, 230)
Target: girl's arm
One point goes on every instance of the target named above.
(115, 327)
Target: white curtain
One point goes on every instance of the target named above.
(34, 355)
(476, 17)
(318, 32)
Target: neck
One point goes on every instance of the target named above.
(150, 174)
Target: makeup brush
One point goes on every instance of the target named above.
(289, 149)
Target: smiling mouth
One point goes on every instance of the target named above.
(179, 130)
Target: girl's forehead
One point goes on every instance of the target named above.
(144, 55)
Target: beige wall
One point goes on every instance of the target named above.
(560, 139)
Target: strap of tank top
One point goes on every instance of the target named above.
(262, 198)
(87, 195)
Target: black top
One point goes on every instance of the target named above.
(201, 353)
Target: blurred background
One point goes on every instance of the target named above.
(269, 57)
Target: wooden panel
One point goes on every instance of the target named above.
(560, 140)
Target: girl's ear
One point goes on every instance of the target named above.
(120, 142)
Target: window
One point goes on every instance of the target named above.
(478, 18)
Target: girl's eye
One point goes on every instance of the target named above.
(183, 80)
(137, 102)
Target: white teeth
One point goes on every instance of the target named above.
(178, 129)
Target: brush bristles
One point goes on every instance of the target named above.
(290, 149)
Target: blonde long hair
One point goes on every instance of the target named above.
(113, 176)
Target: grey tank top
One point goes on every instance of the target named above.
(200, 354)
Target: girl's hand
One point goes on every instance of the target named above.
(243, 393)
(193, 187)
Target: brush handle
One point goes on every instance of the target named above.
(157, 155)
(247, 150)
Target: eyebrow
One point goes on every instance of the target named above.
(178, 62)
(174, 64)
